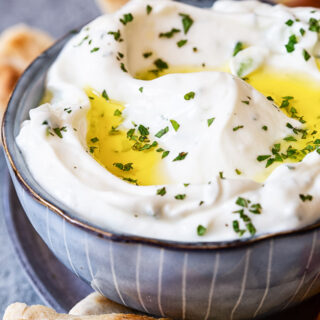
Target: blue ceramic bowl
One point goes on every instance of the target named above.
(225, 280)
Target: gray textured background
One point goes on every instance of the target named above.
(56, 17)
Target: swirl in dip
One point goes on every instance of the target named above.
(172, 122)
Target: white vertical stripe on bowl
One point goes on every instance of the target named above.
(184, 284)
(114, 277)
(48, 231)
(160, 281)
(305, 272)
(213, 281)
(93, 282)
(66, 246)
(311, 285)
(243, 284)
(138, 279)
(269, 268)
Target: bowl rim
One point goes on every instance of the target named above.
(114, 235)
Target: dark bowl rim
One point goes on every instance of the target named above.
(114, 236)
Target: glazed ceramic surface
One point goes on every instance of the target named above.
(233, 280)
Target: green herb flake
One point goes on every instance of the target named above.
(291, 43)
(306, 197)
(289, 22)
(143, 130)
(181, 156)
(165, 154)
(221, 175)
(148, 9)
(95, 49)
(182, 42)
(123, 167)
(123, 68)
(180, 196)
(265, 128)
(105, 95)
(186, 184)
(58, 131)
(186, 22)
(236, 228)
(175, 125)
(201, 203)
(242, 202)
(237, 48)
(169, 34)
(147, 54)
(127, 17)
(210, 121)
(190, 95)
(270, 98)
(161, 192)
(117, 113)
(237, 128)
(94, 140)
(162, 132)
(141, 89)
(160, 64)
(238, 172)
(245, 102)
(130, 180)
(314, 25)
(306, 54)
(116, 35)
(302, 31)
(201, 230)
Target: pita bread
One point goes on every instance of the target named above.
(95, 303)
(19, 46)
(20, 311)
(109, 6)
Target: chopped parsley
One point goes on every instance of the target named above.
(123, 68)
(148, 9)
(95, 49)
(105, 95)
(291, 43)
(162, 191)
(58, 131)
(238, 172)
(265, 128)
(160, 64)
(165, 154)
(124, 167)
(314, 25)
(91, 149)
(133, 181)
(116, 35)
(175, 125)
(210, 121)
(141, 89)
(143, 130)
(67, 110)
(306, 197)
(169, 34)
(181, 156)
(162, 132)
(201, 230)
(190, 95)
(302, 31)
(237, 128)
(147, 54)
(221, 175)
(94, 140)
(182, 42)
(306, 54)
(127, 17)
(289, 22)
(245, 101)
(180, 196)
(186, 22)
(236, 228)
(186, 184)
(237, 48)
(117, 113)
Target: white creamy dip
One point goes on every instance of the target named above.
(222, 125)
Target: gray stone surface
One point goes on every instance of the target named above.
(56, 17)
